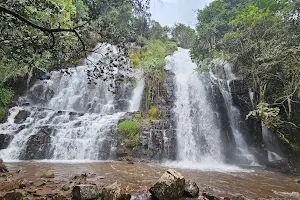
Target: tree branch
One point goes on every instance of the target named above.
(43, 29)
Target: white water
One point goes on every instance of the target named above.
(271, 145)
(243, 154)
(198, 136)
(80, 118)
(137, 92)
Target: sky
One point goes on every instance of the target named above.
(167, 12)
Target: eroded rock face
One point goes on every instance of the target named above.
(191, 189)
(114, 192)
(171, 185)
(5, 139)
(3, 168)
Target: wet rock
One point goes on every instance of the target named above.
(281, 166)
(13, 196)
(191, 189)
(39, 183)
(114, 192)
(169, 186)
(38, 146)
(21, 116)
(235, 198)
(48, 174)
(5, 140)
(84, 192)
(101, 177)
(208, 196)
(3, 168)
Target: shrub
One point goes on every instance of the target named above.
(6, 96)
(130, 129)
(153, 113)
(138, 116)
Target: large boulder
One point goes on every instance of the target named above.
(281, 166)
(48, 174)
(191, 189)
(114, 192)
(86, 192)
(5, 139)
(169, 186)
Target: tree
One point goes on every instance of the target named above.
(183, 35)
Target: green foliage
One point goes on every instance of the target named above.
(269, 115)
(183, 35)
(153, 64)
(164, 113)
(138, 116)
(6, 96)
(131, 130)
(153, 113)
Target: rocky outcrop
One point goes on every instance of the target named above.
(281, 166)
(171, 185)
(5, 139)
(38, 145)
(3, 168)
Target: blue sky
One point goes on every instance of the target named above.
(167, 12)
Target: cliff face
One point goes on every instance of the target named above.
(157, 139)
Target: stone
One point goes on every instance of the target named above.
(13, 196)
(281, 166)
(21, 116)
(235, 198)
(67, 186)
(38, 145)
(170, 185)
(85, 192)
(114, 192)
(191, 189)
(202, 198)
(48, 174)
(1, 161)
(3, 168)
(5, 140)
(101, 177)
(210, 196)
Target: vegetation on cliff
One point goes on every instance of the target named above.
(261, 39)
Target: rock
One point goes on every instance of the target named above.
(48, 174)
(67, 186)
(39, 183)
(235, 198)
(114, 192)
(281, 166)
(202, 198)
(83, 192)
(169, 186)
(191, 189)
(21, 116)
(38, 146)
(5, 140)
(101, 177)
(13, 196)
(210, 196)
(1, 161)
(3, 168)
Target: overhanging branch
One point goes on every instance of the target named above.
(43, 29)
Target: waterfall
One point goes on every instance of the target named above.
(68, 118)
(271, 145)
(242, 153)
(198, 135)
(137, 92)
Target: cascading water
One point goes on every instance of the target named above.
(242, 153)
(137, 93)
(271, 145)
(198, 135)
(72, 118)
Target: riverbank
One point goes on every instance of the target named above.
(137, 178)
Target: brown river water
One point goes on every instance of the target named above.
(254, 183)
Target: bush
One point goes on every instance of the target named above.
(138, 116)
(153, 113)
(6, 96)
(130, 129)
